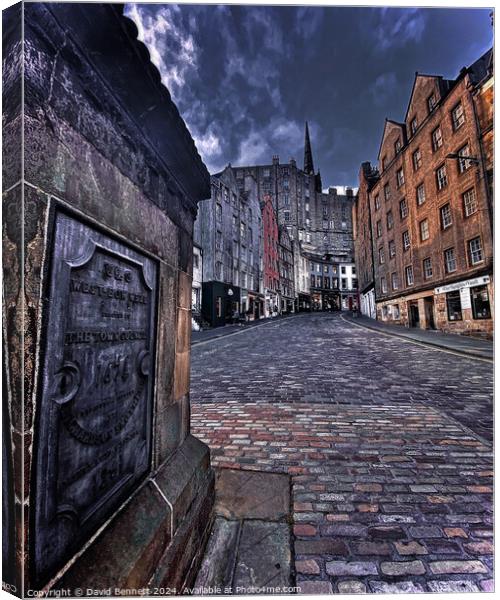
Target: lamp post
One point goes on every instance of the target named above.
(473, 159)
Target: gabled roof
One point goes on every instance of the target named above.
(387, 122)
(418, 76)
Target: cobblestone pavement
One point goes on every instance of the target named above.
(386, 443)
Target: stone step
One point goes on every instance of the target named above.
(248, 551)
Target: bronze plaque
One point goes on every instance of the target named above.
(94, 422)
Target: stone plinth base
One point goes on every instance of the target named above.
(155, 543)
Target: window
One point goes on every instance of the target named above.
(196, 261)
(325, 211)
(384, 161)
(390, 220)
(326, 282)
(383, 285)
(450, 262)
(431, 103)
(470, 202)
(413, 125)
(424, 230)
(441, 178)
(218, 212)
(437, 139)
(480, 302)
(342, 270)
(313, 281)
(379, 228)
(417, 159)
(463, 163)
(319, 281)
(396, 312)
(409, 275)
(381, 256)
(420, 194)
(400, 177)
(385, 311)
(242, 231)
(457, 116)
(318, 268)
(325, 224)
(406, 240)
(475, 251)
(392, 249)
(218, 241)
(377, 202)
(397, 146)
(343, 283)
(387, 192)
(286, 199)
(427, 267)
(307, 206)
(308, 237)
(286, 184)
(445, 212)
(287, 215)
(218, 271)
(325, 269)
(403, 208)
(394, 281)
(454, 306)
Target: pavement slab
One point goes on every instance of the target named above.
(391, 477)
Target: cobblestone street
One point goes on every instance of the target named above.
(387, 443)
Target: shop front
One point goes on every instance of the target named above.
(465, 307)
(255, 310)
(220, 303)
(303, 303)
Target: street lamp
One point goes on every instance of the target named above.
(472, 159)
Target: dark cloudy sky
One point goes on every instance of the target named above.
(245, 78)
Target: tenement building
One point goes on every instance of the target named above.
(286, 270)
(429, 209)
(319, 224)
(270, 258)
(362, 234)
(228, 229)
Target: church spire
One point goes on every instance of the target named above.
(308, 157)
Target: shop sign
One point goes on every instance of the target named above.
(452, 287)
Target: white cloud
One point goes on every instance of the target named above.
(266, 140)
(397, 27)
(171, 47)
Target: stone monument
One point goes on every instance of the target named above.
(104, 487)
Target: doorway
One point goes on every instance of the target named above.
(429, 313)
(414, 315)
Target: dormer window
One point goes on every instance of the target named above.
(397, 146)
(431, 103)
(413, 125)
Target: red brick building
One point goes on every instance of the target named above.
(430, 207)
(270, 257)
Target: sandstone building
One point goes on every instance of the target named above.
(424, 218)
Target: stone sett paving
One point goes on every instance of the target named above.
(390, 493)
